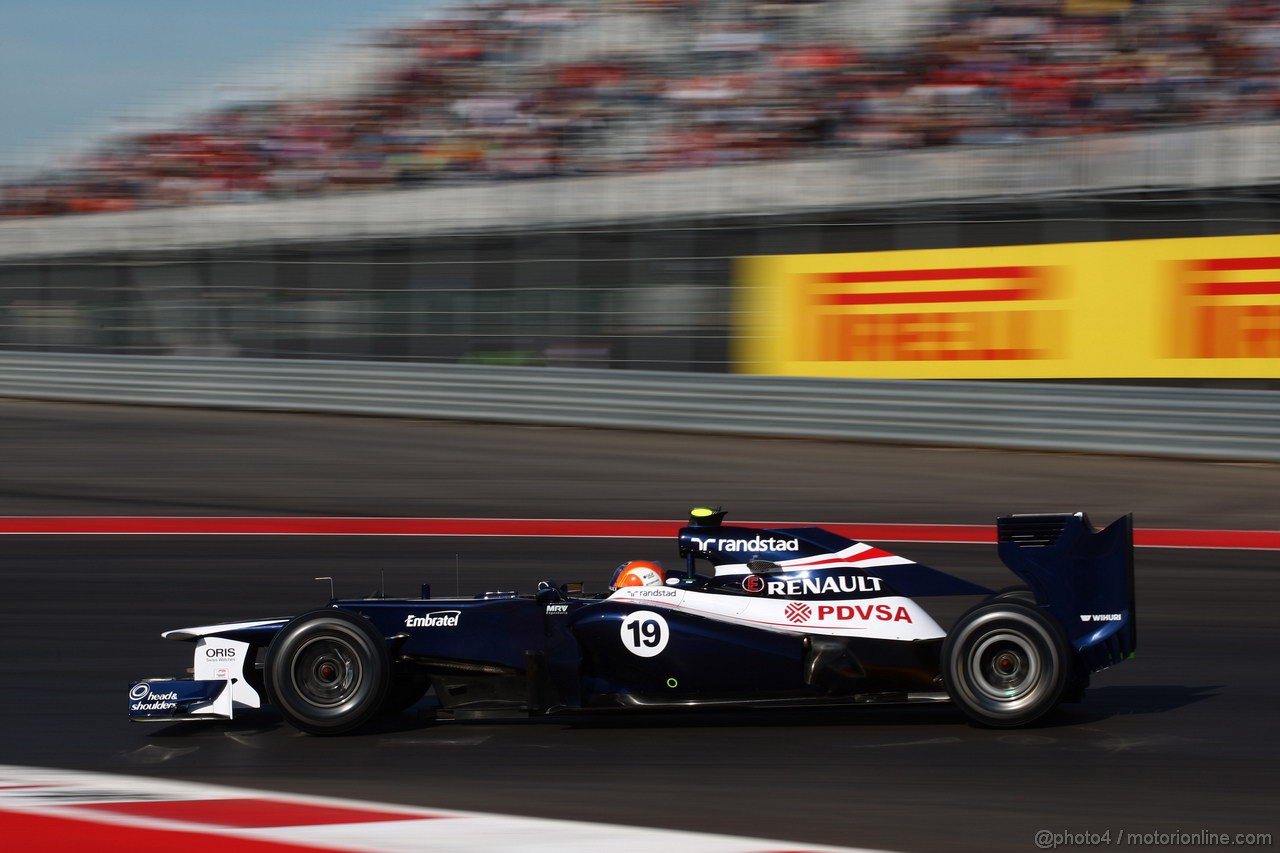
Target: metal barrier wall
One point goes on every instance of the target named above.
(1192, 423)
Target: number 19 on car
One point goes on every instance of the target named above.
(645, 633)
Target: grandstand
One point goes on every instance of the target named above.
(554, 88)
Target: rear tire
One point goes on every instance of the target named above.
(1078, 675)
(328, 672)
(1005, 663)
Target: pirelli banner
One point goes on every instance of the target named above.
(1187, 308)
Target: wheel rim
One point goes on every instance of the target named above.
(1004, 664)
(326, 672)
(1006, 668)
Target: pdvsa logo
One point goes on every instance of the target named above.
(797, 612)
(1000, 313)
(862, 613)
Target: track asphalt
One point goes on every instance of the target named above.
(1180, 739)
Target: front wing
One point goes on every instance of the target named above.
(216, 691)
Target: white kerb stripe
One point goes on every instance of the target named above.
(54, 793)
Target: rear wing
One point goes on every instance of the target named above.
(1082, 576)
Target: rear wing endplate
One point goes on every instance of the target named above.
(1082, 576)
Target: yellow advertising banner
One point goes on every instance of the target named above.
(1181, 309)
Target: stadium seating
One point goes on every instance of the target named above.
(524, 90)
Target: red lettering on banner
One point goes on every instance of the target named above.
(1218, 316)
(854, 316)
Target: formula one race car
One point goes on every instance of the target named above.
(785, 617)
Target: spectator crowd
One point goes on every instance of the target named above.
(526, 89)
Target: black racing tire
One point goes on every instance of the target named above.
(1078, 677)
(328, 672)
(1006, 663)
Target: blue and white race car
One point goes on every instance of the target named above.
(757, 618)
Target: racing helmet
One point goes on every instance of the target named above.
(638, 573)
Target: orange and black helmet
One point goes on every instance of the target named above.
(638, 573)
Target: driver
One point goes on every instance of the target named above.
(638, 573)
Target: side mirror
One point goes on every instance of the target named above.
(548, 592)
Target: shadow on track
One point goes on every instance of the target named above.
(1100, 704)
(1125, 700)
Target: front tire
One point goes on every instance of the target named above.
(328, 672)
(1005, 663)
